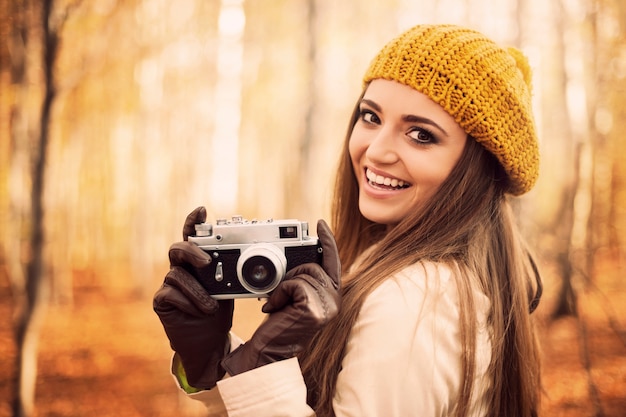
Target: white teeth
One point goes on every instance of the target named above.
(380, 180)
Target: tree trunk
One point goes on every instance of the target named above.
(34, 300)
(564, 223)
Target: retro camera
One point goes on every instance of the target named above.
(250, 258)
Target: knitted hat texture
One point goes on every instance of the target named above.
(486, 88)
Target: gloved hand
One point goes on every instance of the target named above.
(306, 300)
(197, 325)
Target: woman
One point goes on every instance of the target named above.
(436, 301)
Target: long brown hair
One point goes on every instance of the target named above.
(466, 224)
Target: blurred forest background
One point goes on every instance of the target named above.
(118, 117)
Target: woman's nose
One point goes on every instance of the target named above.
(382, 148)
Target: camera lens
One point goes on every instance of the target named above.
(258, 272)
(261, 267)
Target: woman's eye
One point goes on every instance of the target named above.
(369, 117)
(421, 135)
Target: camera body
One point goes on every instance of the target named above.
(250, 258)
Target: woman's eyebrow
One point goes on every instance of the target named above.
(407, 118)
(372, 104)
(418, 119)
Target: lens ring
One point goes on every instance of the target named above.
(261, 267)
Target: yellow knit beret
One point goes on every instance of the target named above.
(486, 88)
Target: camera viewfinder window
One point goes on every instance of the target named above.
(287, 232)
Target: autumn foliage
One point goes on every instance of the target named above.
(157, 107)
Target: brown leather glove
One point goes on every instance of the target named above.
(299, 307)
(197, 325)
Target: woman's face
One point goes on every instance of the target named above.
(403, 146)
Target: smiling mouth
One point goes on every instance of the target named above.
(385, 183)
